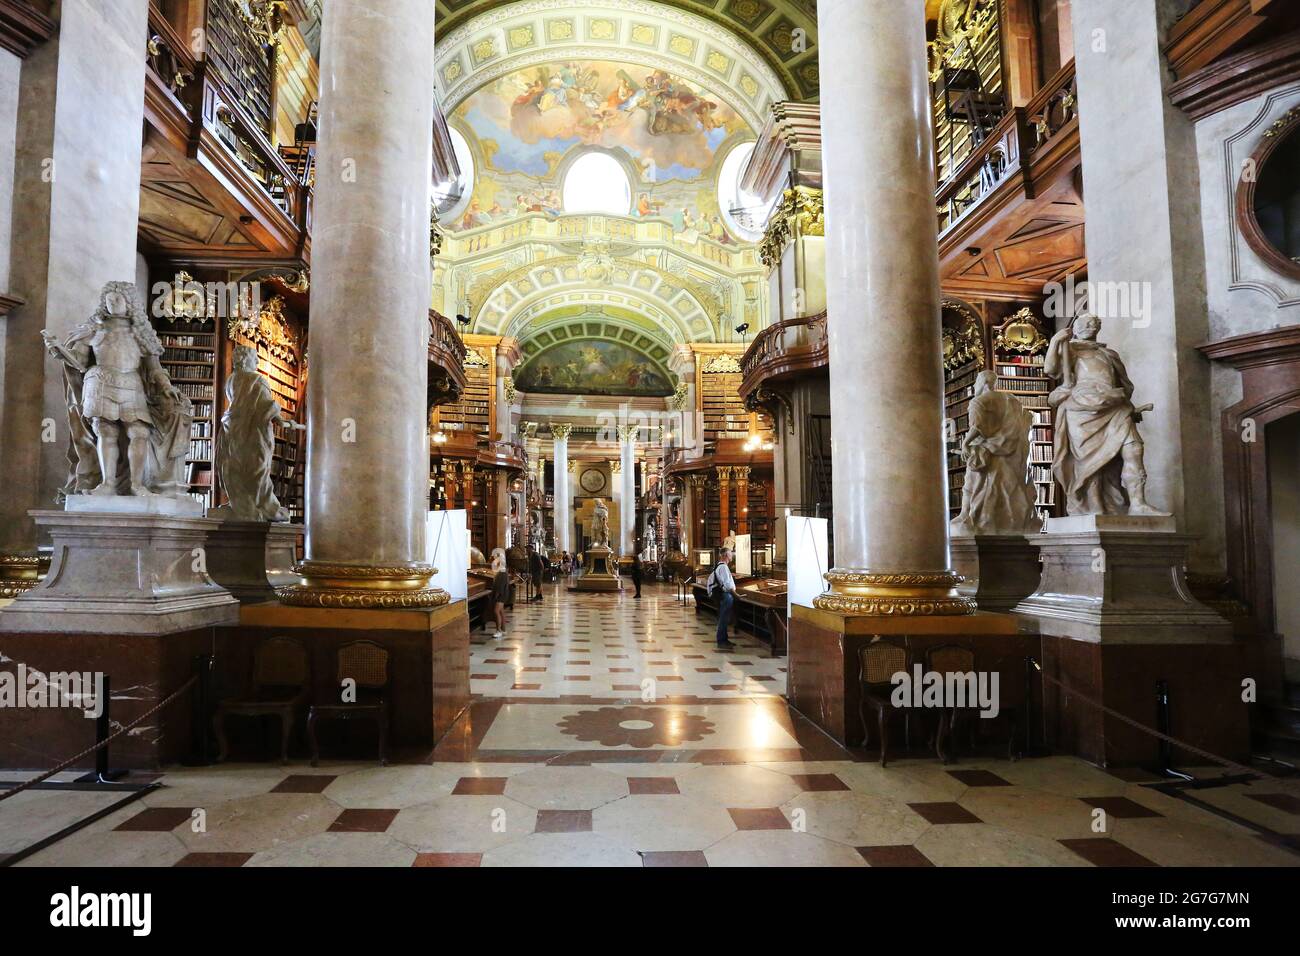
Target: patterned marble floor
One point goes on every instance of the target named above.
(612, 645)
(703, 774)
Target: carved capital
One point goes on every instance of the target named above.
(560, 430)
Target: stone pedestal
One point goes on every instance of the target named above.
(1001, 570)
(824, 675)
(115, 573)
(428, 666)
(237, 553)
(283, 543)
(599, 566)
(1118, 579)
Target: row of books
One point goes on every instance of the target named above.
(1021, 385)
(1021, 371)
(201, 428)
(196, 390)
(1040, 433)
(1040, 473)
(174, 341)
(174, 354)
(187, 373)
(201, 448)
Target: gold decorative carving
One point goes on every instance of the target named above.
(724, 362)
(628, 432)
(339, 585)
(20, 573)
(800, 213)
(476, 359)
(560, 430)
(1021, 333)
(269, 329)
(964, 344)
(680, 394)
(895, 594)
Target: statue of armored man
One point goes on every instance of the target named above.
(600, 524)
(1098, 451)
(121, 399)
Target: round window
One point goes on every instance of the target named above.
(745, 213)
(597, 183)
(1268, 197)
(450, 198)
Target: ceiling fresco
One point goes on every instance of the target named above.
(593, 367)
(782, 33)
(671, 133)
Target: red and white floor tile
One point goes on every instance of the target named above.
(631, 768)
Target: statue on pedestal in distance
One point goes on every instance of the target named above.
(600, 524)
(246, 446)
(119, 395)
(1099, 452)
(997, 497)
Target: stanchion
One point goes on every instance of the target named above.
(102, 773)
(201, 713)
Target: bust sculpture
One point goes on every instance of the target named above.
(600, 524)
(1098, 451)
(997, 497)
(246, 444)
(119, 395)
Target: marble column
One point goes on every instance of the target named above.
(563, 501)
(367, 442)
(882, 277)
(725, 525)
(742, 499)
(76, 211)
(1146, 251)
(627, 516)
(616, 496)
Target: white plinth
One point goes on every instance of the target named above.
(185, 507)
(1085, 524)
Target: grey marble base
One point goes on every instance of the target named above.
(282, 544)
(236, 555)
(1119, 586)
(1001, 570)
(186, 507)
(115, 573)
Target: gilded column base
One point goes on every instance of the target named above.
(20, 572)
(327, 584)
(905, 594)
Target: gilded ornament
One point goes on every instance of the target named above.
(800, 213)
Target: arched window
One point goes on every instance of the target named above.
(745, 214)
(451, 197)
(597, 183)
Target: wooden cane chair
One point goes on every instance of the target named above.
(367, 665)
(950, 659)
(281, 678)
(878, 662)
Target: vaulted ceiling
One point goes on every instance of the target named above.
(769, 26)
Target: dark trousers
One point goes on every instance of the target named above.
(636, 582)
(537, 585)
(724, 615)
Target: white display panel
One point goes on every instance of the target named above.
(806, 560)
(447, 549)
(744, 555)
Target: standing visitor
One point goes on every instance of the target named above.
(721, 579)
(636, 573)
(500, 591)
(537, 567)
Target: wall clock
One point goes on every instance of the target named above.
(592, 481)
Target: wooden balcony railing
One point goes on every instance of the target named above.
(1009, 150)
(446, 361)
(782, 349)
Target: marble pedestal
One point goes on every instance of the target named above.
(1118, 620)
(238, 556)
(1118, 579)
(122, 573)
(598, 571)
(824, 669)
(1000, 570)
(283, 545)
(428, 666)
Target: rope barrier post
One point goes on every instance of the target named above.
(102, 773)
(201, 713)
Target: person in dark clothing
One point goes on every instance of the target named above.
(724, 585)
(537, 568)
(636, 574)
(500, 591)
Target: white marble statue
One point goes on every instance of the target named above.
(997, 497)
(247, 442)
(120, 399)
(600, 524)
(1098, 458)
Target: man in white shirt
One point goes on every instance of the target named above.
(724, 584)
